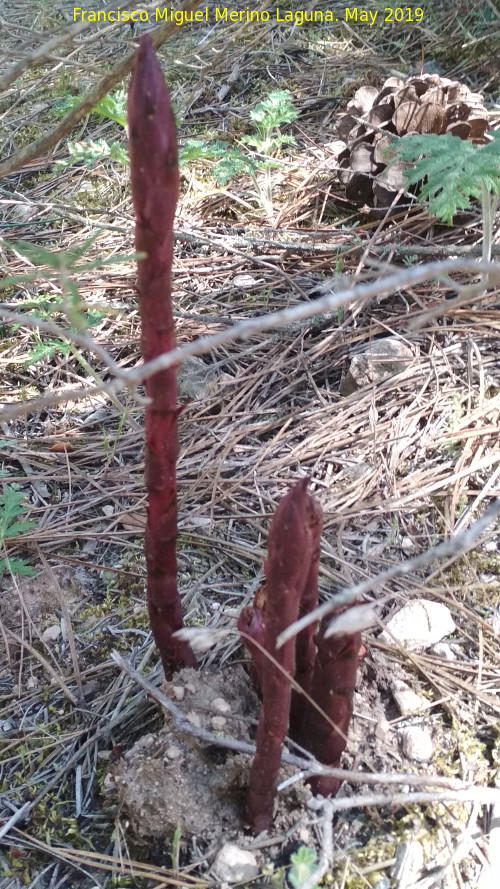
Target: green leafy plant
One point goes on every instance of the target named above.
(46, 306)
(112, 106)
(265, 145)
(267, 141)
(452, 171)
(257, 153)
(13, 523)
(62, 267)
(303, 865)
(268, 116)
(88, 151)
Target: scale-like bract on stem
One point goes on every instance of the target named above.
(251, 624)
(154, 177)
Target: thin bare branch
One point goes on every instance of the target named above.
(43, 53)
(453, 547)
(401, 280)
(79, 339)
(42, 145)
(308, 766)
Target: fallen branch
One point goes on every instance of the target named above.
(309, 766)
(404, 279)
(42, 145)
(453, 547)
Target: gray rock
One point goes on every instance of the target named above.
(407, 700)
(51, 634)
(409, 863)
(197, 381)
(443, 649)
(420, 624)
(235, 865)
(378, 361)
(416, 743)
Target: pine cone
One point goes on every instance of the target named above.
(423, 104)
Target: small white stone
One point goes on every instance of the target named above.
(416, 743)
(407, 545)
(109, 784)
(490, 546)
(484, 577)
(244, 280)
(194, 718)
(173, 752)
(219, 705)
(444, 650)
(304, 835)
(108, 510)
(420, 624)
(218, 723)
(407, 700)
(178, 692)
(383, 730)
(235, 865)
(51, 634)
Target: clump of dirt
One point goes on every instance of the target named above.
(170, 779)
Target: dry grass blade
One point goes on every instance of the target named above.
(121, 867)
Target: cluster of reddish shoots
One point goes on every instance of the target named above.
(317, 711)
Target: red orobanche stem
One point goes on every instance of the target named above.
(154, 175)
(287, 567)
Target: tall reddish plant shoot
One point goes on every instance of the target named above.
(332, 690)
(154, 175)
(305, 642)
(290, 549)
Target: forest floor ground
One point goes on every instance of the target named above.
(398, 465)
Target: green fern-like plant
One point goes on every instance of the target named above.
(91, 150)
(267, 117)
(112, 106)
(256, 153)
(13, 521)
(453, 171)
(88, 151)
(64, 267)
